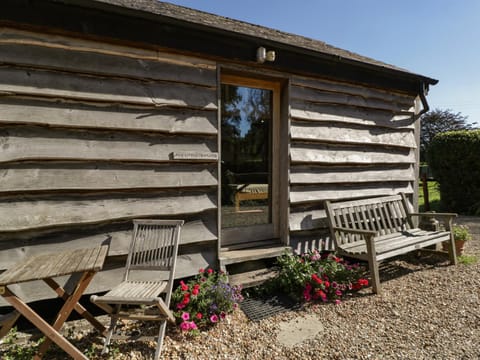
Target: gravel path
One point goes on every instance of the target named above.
(428, 310)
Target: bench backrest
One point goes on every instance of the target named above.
(384, 215)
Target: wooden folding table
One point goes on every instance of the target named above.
(85, 262)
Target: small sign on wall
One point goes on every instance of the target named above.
(194, 155)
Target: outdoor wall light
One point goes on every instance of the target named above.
(264, 55)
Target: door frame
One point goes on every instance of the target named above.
(233, 236)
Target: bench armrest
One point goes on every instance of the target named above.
(447, 218)
(430, 214)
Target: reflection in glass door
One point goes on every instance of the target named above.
(246, 163)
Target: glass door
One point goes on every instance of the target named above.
(248, 189)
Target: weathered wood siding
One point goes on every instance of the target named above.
(88, 131)
(347, 141)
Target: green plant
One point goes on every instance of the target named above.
(205, 300)
(467, 259)
(461, 232)
(14, 351)
(316, 276)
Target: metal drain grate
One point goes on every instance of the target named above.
(259, 308)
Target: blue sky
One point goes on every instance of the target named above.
(435, 38)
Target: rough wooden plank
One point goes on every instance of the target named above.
(346, 88)
(115, 117)
(91, 62)
(311, 174)
(31, 143)
(341, 155)
(307, 219)
(252, 278)
(103, 89)
(74, 176)
(350, 114)
(339, 133)
(56, 41)
(244, 255)
(326, 97)
(319, 193)
(35, 214)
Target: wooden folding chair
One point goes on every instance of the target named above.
(149, 272)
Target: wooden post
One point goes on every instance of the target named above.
(425, 192)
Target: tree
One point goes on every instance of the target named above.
(438, 121)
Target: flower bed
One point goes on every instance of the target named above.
(208, 298)
(205, 300)
(318, 277)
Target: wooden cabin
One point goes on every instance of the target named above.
(112, 110)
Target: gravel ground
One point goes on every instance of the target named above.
(428, 310)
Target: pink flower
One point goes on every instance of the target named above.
(317, 279)
(338, 301)
(184, 286)
(188, 325)
(315, 257)
(307, 292)
(185, 316)
(185, 326)
(214, 318)
(201, 271)
(195, 292)
(320, 294)
(363, 282)
(210, 271)
(223, 315)
(338, 292)
(199, 316)
(180, 306)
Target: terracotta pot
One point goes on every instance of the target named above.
(459, 246)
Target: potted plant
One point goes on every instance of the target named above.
(461, 234)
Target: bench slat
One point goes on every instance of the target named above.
(385, 245)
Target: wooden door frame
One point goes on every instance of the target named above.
(279, 190)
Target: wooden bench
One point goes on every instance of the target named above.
(379, 228)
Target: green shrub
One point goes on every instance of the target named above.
(454, 158)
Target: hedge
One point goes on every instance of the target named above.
(454, 158)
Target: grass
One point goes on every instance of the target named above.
(433, 196)
(467, 259)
